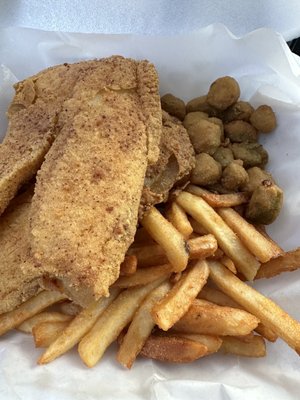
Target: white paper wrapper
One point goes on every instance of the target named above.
(267, 73)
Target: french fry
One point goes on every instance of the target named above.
(287, 262)
(178, 300)
(219, 200)
(164, 233)
(173, 349)
(220, 298)
(46, 332)
(258, 244)
(217, 255)
(228, 264)
(213, 343)
(210, 319)
(144, 276)
(46, 316)
(142, 237)
(248, 347)
(153, 254)
(70, 308)
(110, 324)
(245, 262)
(140, 327)
(269, 313)
(178, 218)
(77, 328)
(12, 319)
(128, 266)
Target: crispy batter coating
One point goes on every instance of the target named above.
(85, 206)
(19, 280)
(33, 125)
(176, 160)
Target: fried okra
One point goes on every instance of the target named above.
(193, 117)
(240, 131)
(263, 119)
(200, 104)
(223, 155)
(173, 105)
(252, 154)
(207, 171)
(234, 176)
(218, 122)
(256, 177)
(241, 110)
(205, 136)
(223, 92)
(265, 203)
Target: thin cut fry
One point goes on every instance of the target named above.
(128, 266)
(46, 332)
(164, 233)
(251, 347)
(213, 343)
(228, 264)
(173, 349)
(288, 262)
(144, 276)
(210, 319)
(28, 309)
(110, 324)
(46, 316)
(220, 298)
(176, 303)
(178, 218)
(219, 200)
(245, 262)
(141, 327)
(153, 254)
(77, 328)
(266, 310)
(258, 244)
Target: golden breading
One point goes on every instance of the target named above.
(85, 206)
(33, 124)
(18, 279)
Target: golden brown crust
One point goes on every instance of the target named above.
(19, 280)
(88, 190)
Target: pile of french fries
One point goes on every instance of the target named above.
(181, 294)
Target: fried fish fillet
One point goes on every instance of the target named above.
(88, 190)
(19, 280)
(33, 124)
(175, 162)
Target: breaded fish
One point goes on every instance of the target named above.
(33, 124)
(176, 160)
(88, 190)
(19, 280)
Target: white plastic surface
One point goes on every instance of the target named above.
(267, 73)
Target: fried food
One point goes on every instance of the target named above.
(88, 190)
(223, 155)
(173, 105)
(240, 131)
(234, 176)
(219, 200)
(45, 316)
(176, 159)
(263, 119)
(178, 218)
(192, 118)
(201, 104)
(207, 171)
(256, 177)
(223, 92)
(252, 154)
(241, 110)
(289, 261)
(253, 346)
(19, 280)
(205, 136)
(178, 300)
(265, 204)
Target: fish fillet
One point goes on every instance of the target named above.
(88, 190)
(32, 124)
(19, 280)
